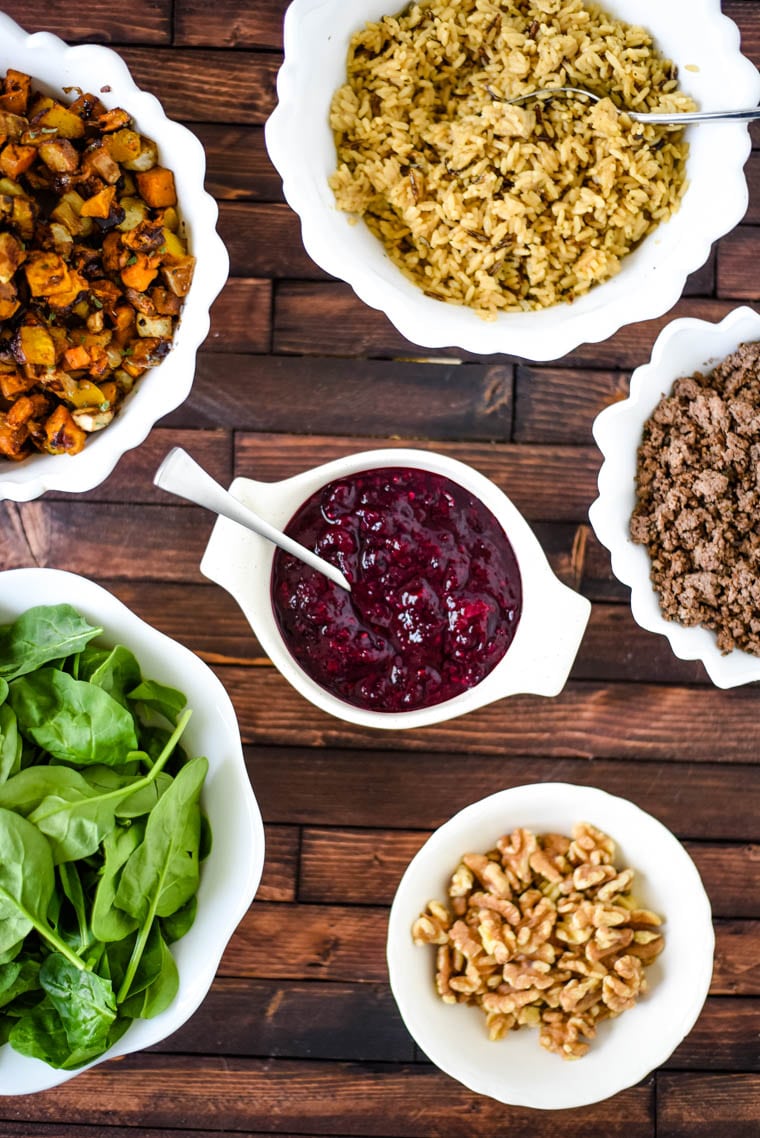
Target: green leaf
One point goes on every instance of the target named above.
(115, 671)
(162, 873)
(27, 881)
(40, 1034)
(156, 981)
(74, 721)
(17, 979)
(107, 922)
(84, 1001)
(72, 888)
(142, 800)
(10, 743)
(26, 790)
(179, 923)
(41, 635)
(167, 701)
(3, 690)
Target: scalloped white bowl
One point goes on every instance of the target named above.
(693, 33)
(54, 65)
(552, 621)
(517, 1070)
(682, 348)
(231, 873)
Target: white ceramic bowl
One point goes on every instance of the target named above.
(517, 1070)
(231, 873)
(682, 348)
(694, 33)
(54, 65)
(548, 636)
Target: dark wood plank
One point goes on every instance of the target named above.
(529, 475)
(311, 396)
(237, 164)
(705, 801)
(278, 881)
(143, 22)
(737, 263)
(616, 648)
(15, 550)
(360, 867)
(347, 943)
(229, 23)
(559, 405)
(291, 1020)
(208, 85)
(586, 720)
(264, 240)
(313, 1098)
(752, 170)
(744, 15)
(724, 1038)
(240, 322)
(705, 1106)
(328, 319)
(132, 480)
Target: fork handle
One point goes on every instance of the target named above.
(677, 118)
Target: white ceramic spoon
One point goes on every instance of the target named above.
(181, 475)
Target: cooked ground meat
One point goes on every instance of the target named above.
(698, 500)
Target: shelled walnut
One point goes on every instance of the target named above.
(542, 930)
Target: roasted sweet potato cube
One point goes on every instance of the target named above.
(139, 273)
(87, 106)
(12, 254)
(23, 214)
(112, 120)
(96, 160)
(156, 187)
(14, 383)
(76, 358)
(99, 205)
(16, 88)
(13, 440)
(15, 160)
(62, 435)
(46, 273)
(21, 411)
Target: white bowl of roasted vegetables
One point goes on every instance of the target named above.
(131, 844)
(109, 262)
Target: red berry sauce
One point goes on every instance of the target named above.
(435, 590)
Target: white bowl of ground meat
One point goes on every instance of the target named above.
(679, 493)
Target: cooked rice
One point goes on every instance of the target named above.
(506, 207)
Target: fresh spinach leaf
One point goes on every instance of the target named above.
(73, 720)
(117, 673)
(84, 1001)
(109, 923)
(3, 690)
(10, 743)
(156, 980)
(158, 697)
(162, 873)
(41, 635)
(179, 923)
(40, 1034)
(17, 979)
(27, 881)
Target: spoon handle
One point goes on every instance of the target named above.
(677, 117)
(181, 475)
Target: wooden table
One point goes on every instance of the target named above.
(299, 1034)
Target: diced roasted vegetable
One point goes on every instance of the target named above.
(93, 266)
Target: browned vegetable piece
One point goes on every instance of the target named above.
(62, 435)
(11, 125)
(139, 271)
(59, 155)
(25, 408)
(112, 120)
(60, 119)
(123, 145)
(179, 277)
(146, 237)
(48, 275)
(76, 358)
(97, 161)
(165, 302)
(15, 160)
(12, 253)
(15, 96)
(13, 440)
(33, 344)
(13, 383)
(99, 205)
(9, 301)
(156, 187)
(87, 106)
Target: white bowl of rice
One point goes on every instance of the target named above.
(498, 228)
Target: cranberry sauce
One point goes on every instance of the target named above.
(435, 590)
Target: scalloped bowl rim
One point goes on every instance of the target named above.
(641, 291)
(224, 897)
(699, 345)
(162, 389)
(516, 1070)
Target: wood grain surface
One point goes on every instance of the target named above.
(299, 1034)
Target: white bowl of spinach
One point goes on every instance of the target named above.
(124, 806)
